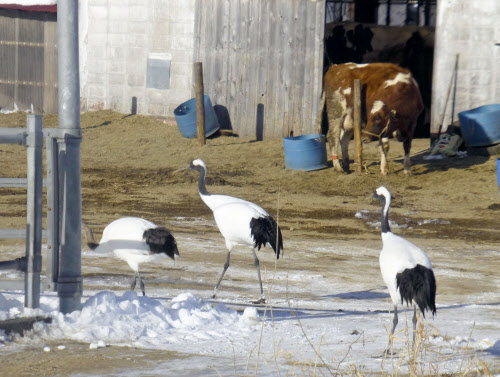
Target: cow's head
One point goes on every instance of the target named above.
(381, 122)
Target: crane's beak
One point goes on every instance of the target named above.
(182, 169)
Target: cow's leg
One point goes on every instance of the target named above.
(407, 163)
(333, 137)
(346, 137)
(384, 149)
(335, 114)
(348, 131)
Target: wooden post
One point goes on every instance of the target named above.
(200, 104)
(357, 125)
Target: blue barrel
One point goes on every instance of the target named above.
(305, 152)
(481, 126)
(498, 174)
(185, 116)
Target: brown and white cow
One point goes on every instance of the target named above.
(390, 106)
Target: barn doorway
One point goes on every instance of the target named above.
(28, 47)
(393, 31)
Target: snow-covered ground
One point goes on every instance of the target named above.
(328, 312)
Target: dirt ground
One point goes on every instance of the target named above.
(128, 164)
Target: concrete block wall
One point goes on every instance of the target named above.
(469, 28)
(116, 39)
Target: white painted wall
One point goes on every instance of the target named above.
(116, 39)
(471, 29)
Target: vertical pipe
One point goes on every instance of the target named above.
(357, 125)
(69, 281)
(200, 102)
(16, 59)
(388, 13)
(52, 212)
(34, 143)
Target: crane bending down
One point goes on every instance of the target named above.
(135, 241)
(406, 269)
(240, 222)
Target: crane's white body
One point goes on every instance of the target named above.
(124, 237)
(233, 216)
(396, 256)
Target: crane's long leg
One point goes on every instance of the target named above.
(395, 320)
(414, 324)
(226, 266)
(394, 324)
(141, 283)
(257, 265)
(133, 282)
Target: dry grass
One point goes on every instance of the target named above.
(423, 358)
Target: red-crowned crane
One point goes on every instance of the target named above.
(406, 269)
(240, 222)
(135, 241)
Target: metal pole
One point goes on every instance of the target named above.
(52, 212)
(69, 282)
(34, 212)
(12, 136)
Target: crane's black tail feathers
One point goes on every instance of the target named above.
(160, 240)
(88, 234)
(92, 245)
(418, 284)
(265, 230)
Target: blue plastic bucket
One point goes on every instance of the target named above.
(305, 152)
(185, 116)
(481, 126)
(498, 174)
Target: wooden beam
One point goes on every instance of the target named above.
(357, 125)
(200, 104)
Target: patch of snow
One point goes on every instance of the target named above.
(345, 317)
(392, 224)
(97, 345)
(362, 214)
(3, 111)
(433, 221)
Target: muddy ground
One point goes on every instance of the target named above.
(128, 164)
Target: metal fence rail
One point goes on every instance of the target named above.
(64, 212)
(32, 137)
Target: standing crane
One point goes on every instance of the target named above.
(135, 241)
(406, 269)
(240, 222)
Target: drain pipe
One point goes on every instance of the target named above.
(69, 280)
(18, 264)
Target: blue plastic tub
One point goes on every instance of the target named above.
(498, 174)
(305, 152)
(185, 116)
(481, 126)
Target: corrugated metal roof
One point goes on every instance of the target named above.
(31, 6)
